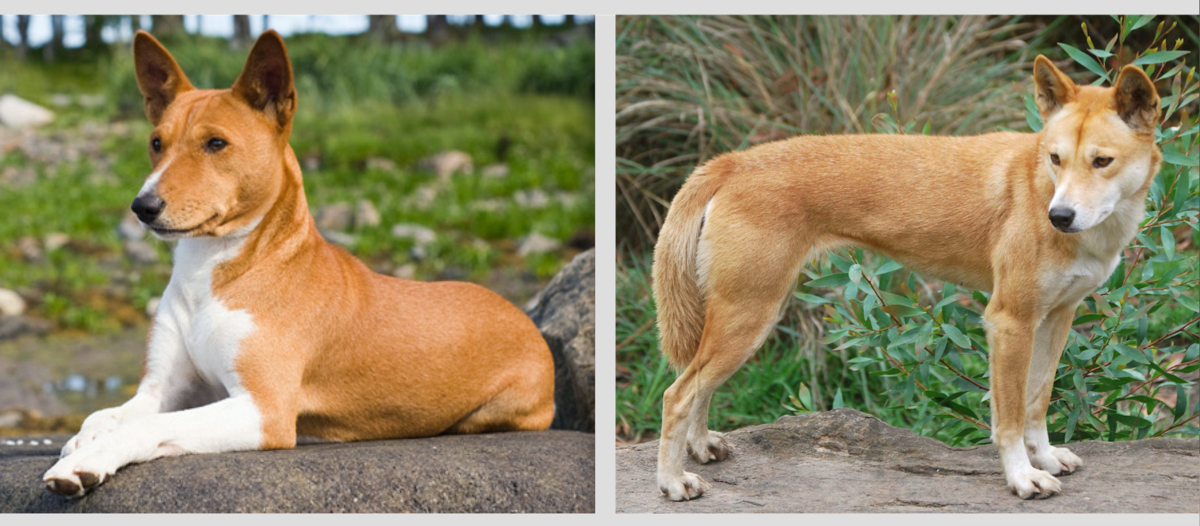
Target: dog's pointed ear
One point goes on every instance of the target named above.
(1052, 88)
(1137, 100)
(266, 82)
(158, 75)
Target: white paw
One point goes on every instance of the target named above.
(77, 474)
(1032, 482)
(710, 447)
(95, 426)
(684, 487)
(1055, 460)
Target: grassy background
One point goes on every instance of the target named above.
(692, 87)
(361, 103)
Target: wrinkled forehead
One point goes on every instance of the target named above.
(1089, 122)
(207, 108)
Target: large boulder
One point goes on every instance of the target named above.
(565, 312)
(542, 472)
(845, 461)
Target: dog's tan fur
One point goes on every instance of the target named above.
(296, 334)
(970, 210)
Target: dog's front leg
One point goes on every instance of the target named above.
(1011, 322)
(233, 424)
(169, 371)
(1048, 345)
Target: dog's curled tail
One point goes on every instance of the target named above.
(677, 292)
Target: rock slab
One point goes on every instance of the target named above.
(845, 461)
(543, 472)
(565, 312)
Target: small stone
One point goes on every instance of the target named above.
(94, 100)
(312, 162)
(420, 235)
(55, 241)
(152, 306)
(16, 112)
(337, 216)
(405, 271)
(30, 249)
(381, 164)
(141, 252)
(366, 215)
(536, 243)
(487, 205)
(339, 238)
(130, 227)
(417, 253)
(532, 199)
(447, 163)
(60, 100)
(495, 171)
(11, 303)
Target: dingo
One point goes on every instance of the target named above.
(1038, 219)
(277, 331)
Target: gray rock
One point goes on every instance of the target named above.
(30, 249)
(366, 215)
(845, 461)
(339, 238)
(336, 216)
(447, 163)
(495, 171)
(14, 326)
(543, 472)
(565, 312)
(420, 236)
(16, 112)
(532, 199)
(405, 271)
(130, 227)
(536, 243)
(55, 241)
(141, 252)
(11, 303)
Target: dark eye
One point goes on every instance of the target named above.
(1054, 159)
(214, 144)
(1101, 162)
(156, 144)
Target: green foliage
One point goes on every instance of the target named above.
(914, 353)
(361, 104)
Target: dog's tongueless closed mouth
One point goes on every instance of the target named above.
(1038, 219)
(291, 335)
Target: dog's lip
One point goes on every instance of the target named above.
(177, 231)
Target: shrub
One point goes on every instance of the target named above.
(912, 351)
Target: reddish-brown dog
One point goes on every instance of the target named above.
(267, 331)
(1038, 219)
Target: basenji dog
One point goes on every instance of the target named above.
(265, 330)
(1037, 219)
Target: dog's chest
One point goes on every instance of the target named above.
(1070, 286)
(210, 332)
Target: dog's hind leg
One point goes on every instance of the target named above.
(745, 290)
(1049, 340)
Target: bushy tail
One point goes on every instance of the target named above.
(677, 291)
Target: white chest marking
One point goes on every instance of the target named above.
(211, 333)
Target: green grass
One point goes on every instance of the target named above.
(358, 101)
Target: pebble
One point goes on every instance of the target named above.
(420, 235)
(11, 303)
(336, 216)
(55, 241)
(536, 243)
(366, 215)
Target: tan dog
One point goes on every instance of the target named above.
(1037, 219)
(277, 331)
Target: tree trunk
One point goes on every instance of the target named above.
(382, 27)
(241, 30)
(167, 26)
(437, 28)
(51, 49)
(22, 36)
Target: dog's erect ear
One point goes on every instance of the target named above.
(266, 81)
(158, 75)
(1136, 99)
(1052, 89)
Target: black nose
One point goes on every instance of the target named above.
(147, 207)
(1062, 217)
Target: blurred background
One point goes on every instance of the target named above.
(906, 349)
(433, 148)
